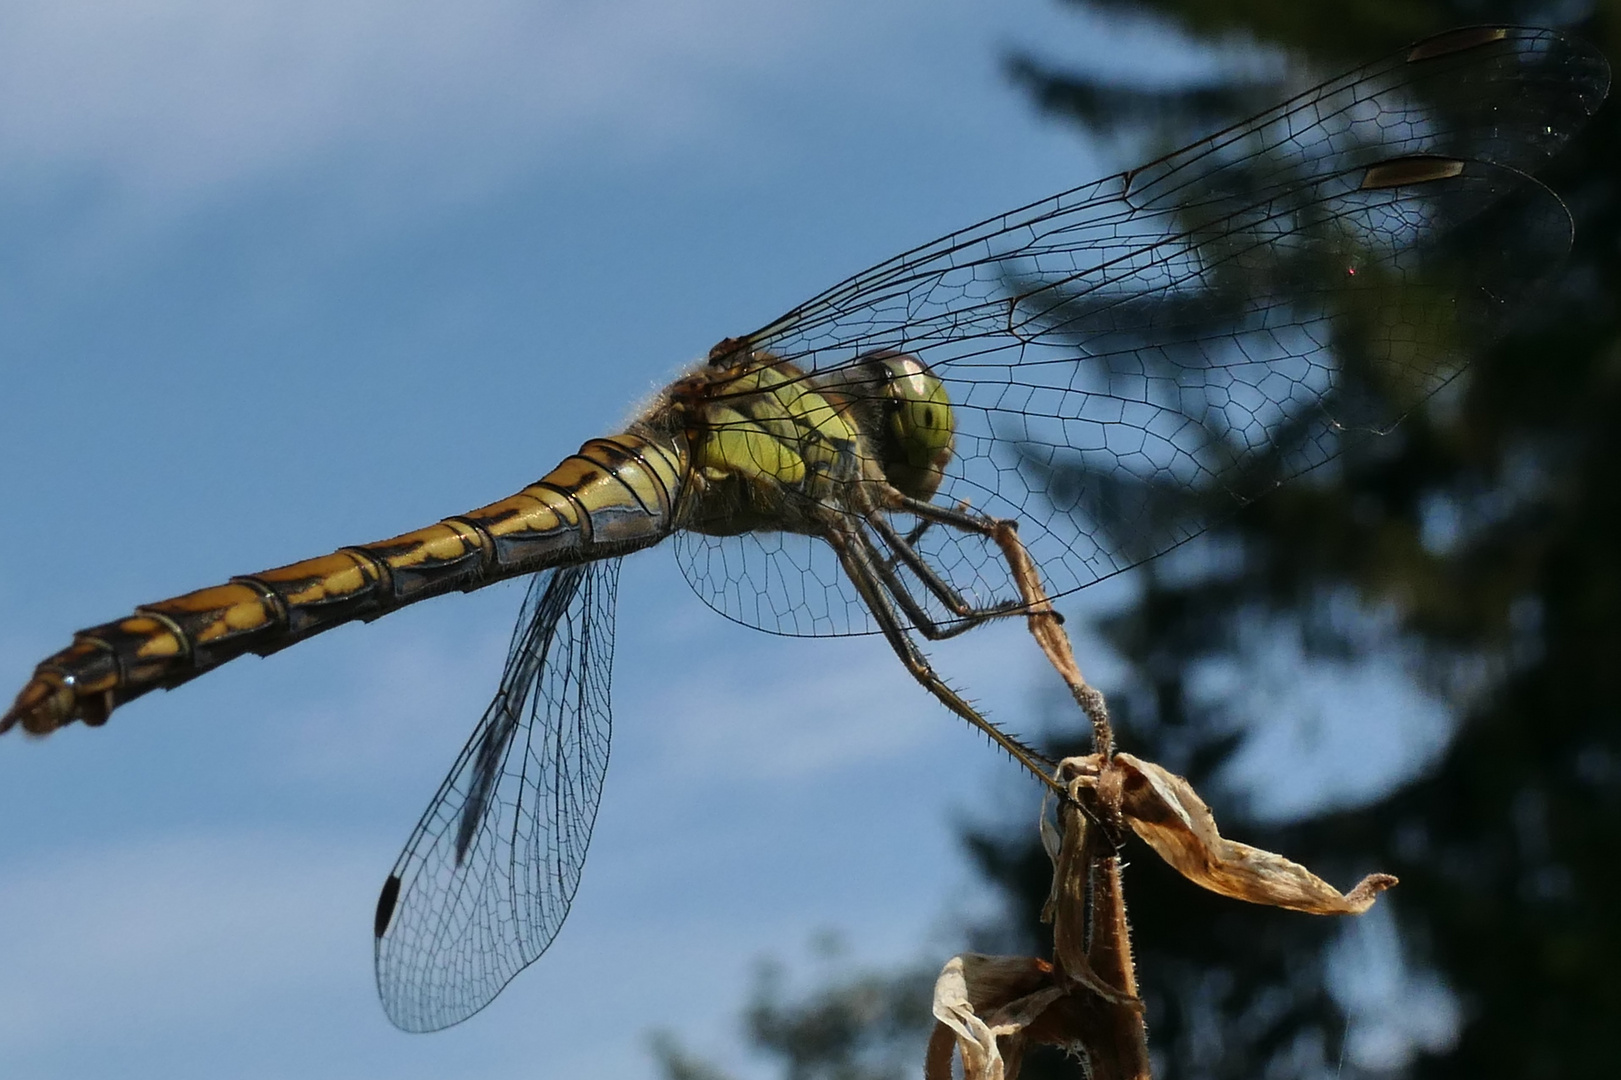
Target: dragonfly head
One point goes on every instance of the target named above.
(914, 425)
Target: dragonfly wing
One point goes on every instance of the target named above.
(487, 877)
(1128, 415)
(791, 584)
(1130, 360)
(784, 583)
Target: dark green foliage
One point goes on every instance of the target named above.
(855, 1026)
(871, 1027)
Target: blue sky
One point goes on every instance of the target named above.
(279, 277)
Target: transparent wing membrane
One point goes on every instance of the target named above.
(487, 877)
(1132, 359)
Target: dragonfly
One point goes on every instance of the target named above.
(1012, 412)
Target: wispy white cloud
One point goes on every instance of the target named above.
(807, 707)
(405, 696)
(171, 932)
(182, 96)
(756, 706)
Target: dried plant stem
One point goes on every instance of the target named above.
(1092, 939)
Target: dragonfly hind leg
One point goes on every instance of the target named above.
(856, 557)
(966, 616)
(1044, 621)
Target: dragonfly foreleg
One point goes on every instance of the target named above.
(967, 615)
(913, 536)
(1045, 623)
(856, 558)
(884, 570)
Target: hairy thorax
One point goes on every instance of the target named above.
(774, 448)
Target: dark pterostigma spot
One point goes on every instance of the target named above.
(1470, 37)
(1404, 172)
(385, 905)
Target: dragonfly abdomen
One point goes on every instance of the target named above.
(616, 495)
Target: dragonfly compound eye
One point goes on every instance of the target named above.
(918, 427)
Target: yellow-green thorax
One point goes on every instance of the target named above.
(774, 448)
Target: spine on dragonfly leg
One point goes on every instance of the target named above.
(617, 494)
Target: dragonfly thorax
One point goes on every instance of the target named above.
(775, 448)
